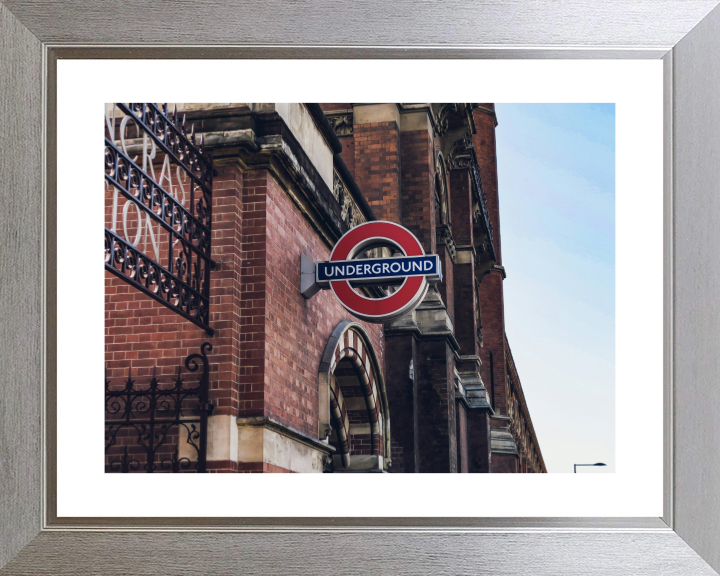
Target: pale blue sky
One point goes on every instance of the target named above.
(556, 173)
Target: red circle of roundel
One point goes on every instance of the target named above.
(396, 303)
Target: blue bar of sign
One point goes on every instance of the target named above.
(380, 269)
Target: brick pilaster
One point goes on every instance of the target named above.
(401, 386)
(377, 168)
(463, 271)
(493, 351)
(436, 418)
(484, 143)
(418, 206)
(492, 308)
(505, 464)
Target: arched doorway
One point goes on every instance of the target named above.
(353, 404)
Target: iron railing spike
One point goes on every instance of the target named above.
(154, 423)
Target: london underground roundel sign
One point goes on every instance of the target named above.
(413, 269)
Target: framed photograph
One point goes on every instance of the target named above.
(320, 288)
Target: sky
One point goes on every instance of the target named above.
(556, 180)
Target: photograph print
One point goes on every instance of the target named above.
(349, 288)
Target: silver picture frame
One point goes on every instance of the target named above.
(685, 34)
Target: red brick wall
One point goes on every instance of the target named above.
(377, 168)
(361, 444)
(291, 331)
(484, 143)
(491, 289)
(478, 440)
(436, 407)
(253, 297)
(461, 207)
(493, 319)
(143, 333)
(402, 398)
(348, 152)
(504, 464)
(418, 206)
(269, 339)
(465, 324)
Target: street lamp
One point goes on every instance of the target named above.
(598, 464)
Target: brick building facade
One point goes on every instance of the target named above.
(299, 385)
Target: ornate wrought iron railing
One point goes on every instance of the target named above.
(158, 426)
(179, 273)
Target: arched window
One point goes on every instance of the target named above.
(353, 402)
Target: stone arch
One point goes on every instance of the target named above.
(353, 413)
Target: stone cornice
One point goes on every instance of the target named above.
(280, 428)
(429, 321)
(409, 108)
(502, 441)
(257, 137)
(499, 269)
(391, 330)
(475, 393)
